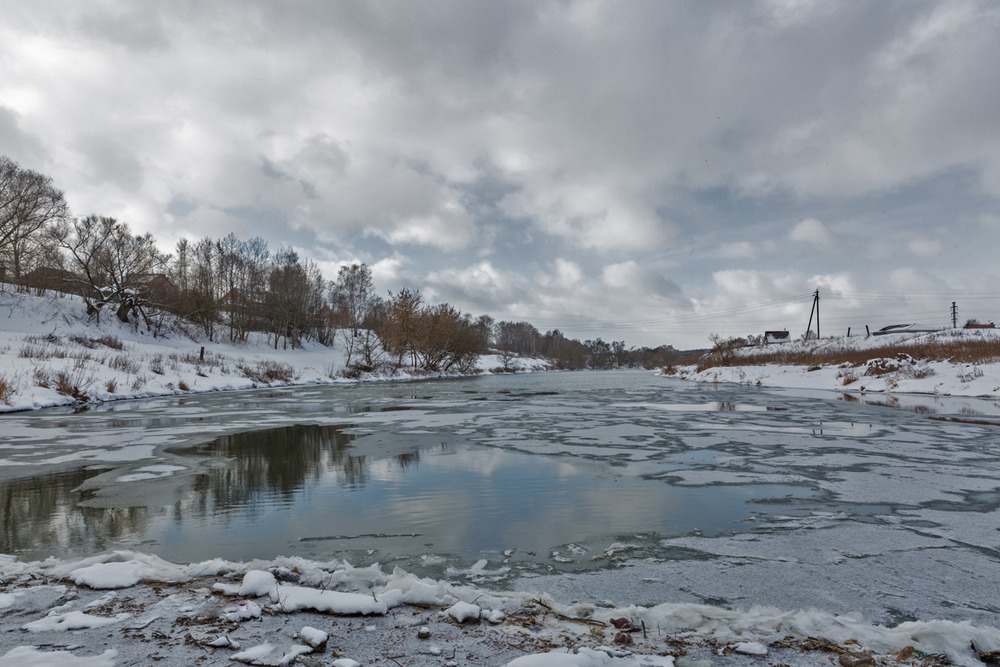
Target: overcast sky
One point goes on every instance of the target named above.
(652, 172)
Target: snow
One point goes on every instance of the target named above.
(589, 658)
(297, 598)
(932, 378)
(534, 630)
(32, 656)
(463, 611)
(110, 575)
(60, 613)
(44, 338)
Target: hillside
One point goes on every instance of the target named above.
(52, 354)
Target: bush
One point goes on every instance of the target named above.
(69, 385)
(156, 364)
(123, 363)
(266, 371)
(847, 377)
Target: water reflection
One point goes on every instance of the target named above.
(942, 408)
(325, 491)
(277, 461)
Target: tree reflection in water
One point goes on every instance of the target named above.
(246, 472)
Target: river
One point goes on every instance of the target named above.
(619, 486)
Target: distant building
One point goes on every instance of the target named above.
(776, 337)
(973, 324)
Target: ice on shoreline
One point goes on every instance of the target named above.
(270, 612)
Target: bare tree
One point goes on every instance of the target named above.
(353, 295)
(397, 328)
(112, 263)
(28, 204)
(294, 298)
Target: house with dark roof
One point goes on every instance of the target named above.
(776, 337)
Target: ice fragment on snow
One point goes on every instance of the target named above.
(257, 583)
(297, 598)
(244, 610)
(252, 655)
(464, 611)
(73, 620)
(345, 662)
(313, 636)
(110, 575)
(750, 648)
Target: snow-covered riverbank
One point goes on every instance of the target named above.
(51, 354)
(129, 608)
(890, 373)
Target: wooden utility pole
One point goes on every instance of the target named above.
(815, 309)
(954, 315)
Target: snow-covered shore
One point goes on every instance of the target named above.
(52, 355)
(888, 374)
(130, 608)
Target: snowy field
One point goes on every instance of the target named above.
(129, 607)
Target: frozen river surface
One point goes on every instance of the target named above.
(617, 486)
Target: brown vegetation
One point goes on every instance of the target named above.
(6, 390)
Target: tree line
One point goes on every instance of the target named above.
(229, 288)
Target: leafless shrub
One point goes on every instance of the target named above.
(350, 373)
(123, 363)
(266, 371)
(41, 377)
(91, 343)
(968, 375)
(111, 341)
(111, 385)
(183, 386)
(41, 351)
(847, 376)
(156, 364)
(139, 382)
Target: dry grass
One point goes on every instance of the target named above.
(266, 371)
(69, 384)
(971, 350)
(6, 390)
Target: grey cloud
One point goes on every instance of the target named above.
(687, 138)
